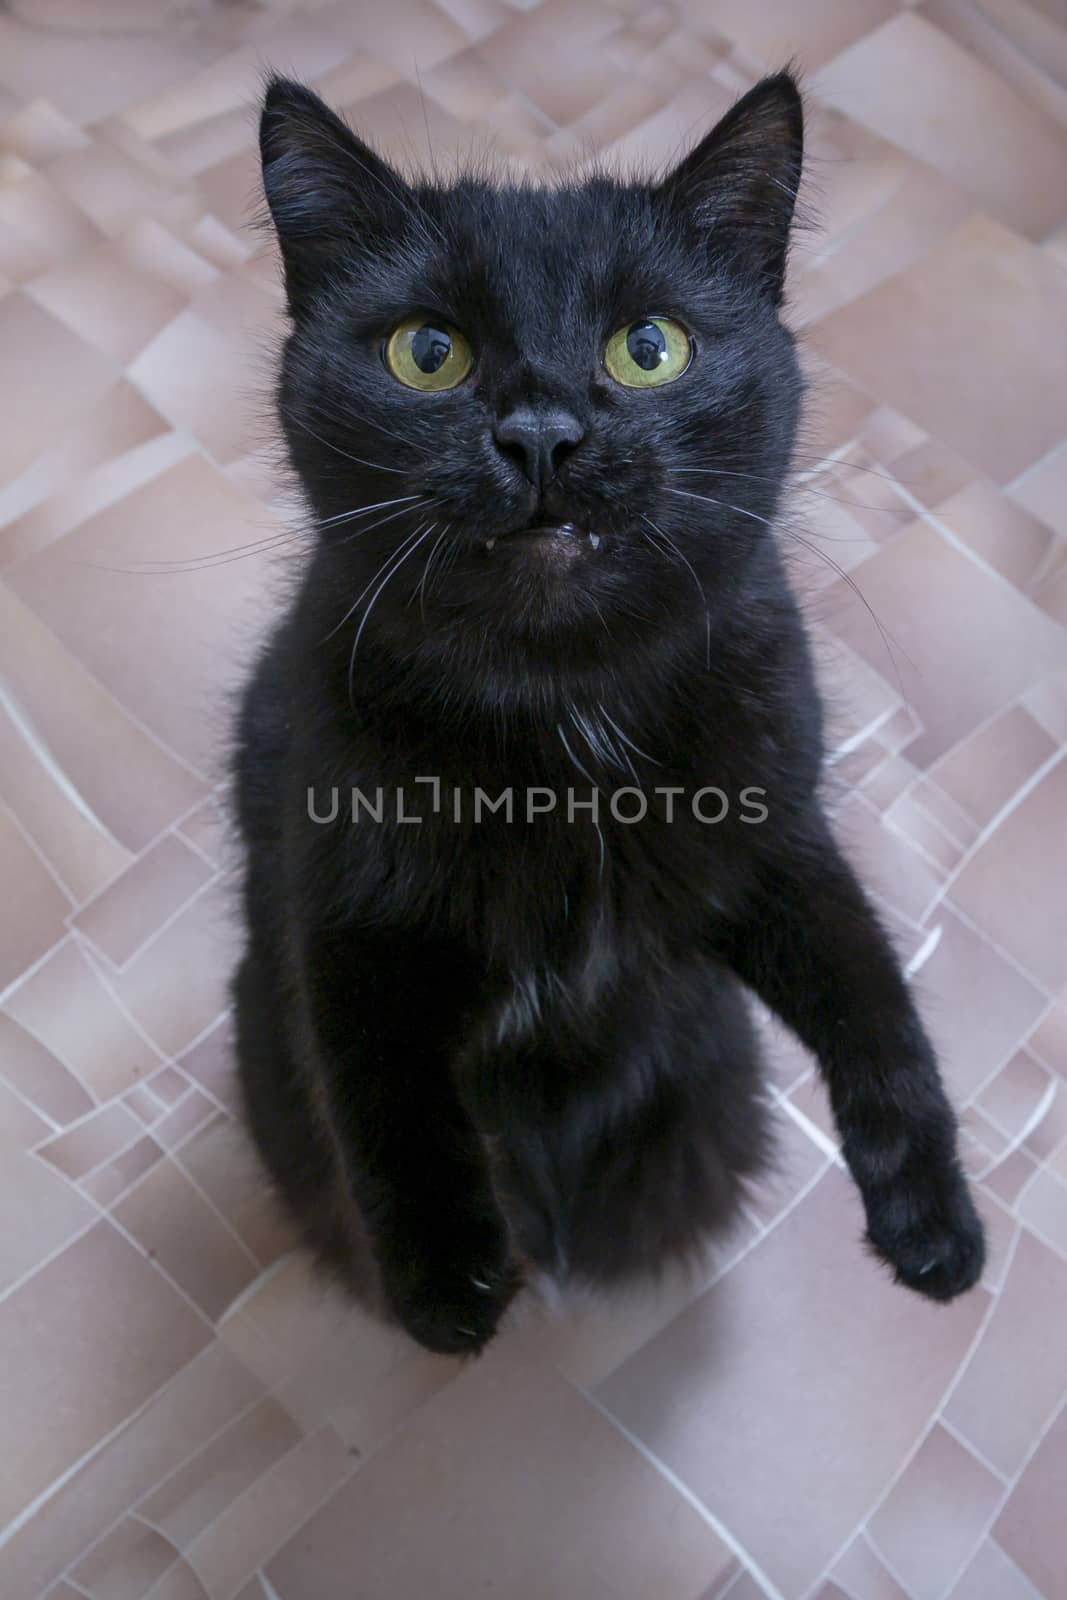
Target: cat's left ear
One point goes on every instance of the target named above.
(740, 182)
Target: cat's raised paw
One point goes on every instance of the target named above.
(461, 1319)
(450, 1311)
(929, 1233)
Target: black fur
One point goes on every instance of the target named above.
(490, 1045)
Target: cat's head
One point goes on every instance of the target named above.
(540, 428)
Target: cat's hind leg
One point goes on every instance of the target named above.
(646, 1159)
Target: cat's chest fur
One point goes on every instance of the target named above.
(559, 912)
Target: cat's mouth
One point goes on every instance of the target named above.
(561, 538)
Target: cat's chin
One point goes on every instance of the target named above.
(543, 581)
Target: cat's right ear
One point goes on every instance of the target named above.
(330, 195)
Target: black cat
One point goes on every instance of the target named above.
(544, 433)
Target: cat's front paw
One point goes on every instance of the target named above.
(451, 1296)
(925, 1226)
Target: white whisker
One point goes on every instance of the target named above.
(684, 559)
(410, 551)
(791, 533)
(796, 487)
(360, 511)
(328, 444)
(406, 541)
(421, 590)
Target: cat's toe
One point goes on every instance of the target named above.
(930, 1234)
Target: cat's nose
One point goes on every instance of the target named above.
(537, 438)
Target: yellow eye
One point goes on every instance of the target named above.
(427, 354)
(647, 353)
